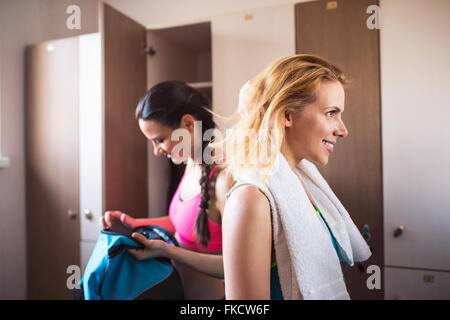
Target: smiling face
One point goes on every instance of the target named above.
(159, 135)
(312, 132)
(163, 145)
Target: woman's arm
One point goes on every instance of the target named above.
(121, 222)
(247, 242)
(209, 264)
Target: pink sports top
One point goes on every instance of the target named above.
(183, 214)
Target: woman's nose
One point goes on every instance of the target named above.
(157, 151)
(341, 130)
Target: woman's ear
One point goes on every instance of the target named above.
(187, 122)
(287, 119)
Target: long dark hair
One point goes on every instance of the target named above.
(166, 103)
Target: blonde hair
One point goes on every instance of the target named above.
(288, 84)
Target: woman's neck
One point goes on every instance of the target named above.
(193, 167)
(289, 155)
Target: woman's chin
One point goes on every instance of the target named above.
(322, 161)
(177, 160)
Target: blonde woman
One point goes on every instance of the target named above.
(284, 230)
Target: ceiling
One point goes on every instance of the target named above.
(155, 14)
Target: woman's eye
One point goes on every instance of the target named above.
(330, 113)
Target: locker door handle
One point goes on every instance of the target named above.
(72, 214)
(366, 233)
(398, 231)
(88, 214)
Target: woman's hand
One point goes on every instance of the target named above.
(152, 248)
(210, 264)
(117, 221)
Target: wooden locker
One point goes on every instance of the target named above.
(124, 84)
(82, 132)
(177, 53)
(337, 30)
(415, 97)
(52, 167)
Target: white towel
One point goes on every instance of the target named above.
(308, 266)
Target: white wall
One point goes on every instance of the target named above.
(12, 179)
(23, 22)
(241, 48)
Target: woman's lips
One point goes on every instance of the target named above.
(328, 145)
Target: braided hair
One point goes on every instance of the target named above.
(166, 103)
(201, 223)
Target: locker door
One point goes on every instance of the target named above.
(113, 150)
(416, 107)
(52, 167)
(125, 83)
(91, 142)
(337, 30)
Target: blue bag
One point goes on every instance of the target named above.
(113, 274)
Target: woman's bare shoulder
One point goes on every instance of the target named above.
(247, 238)
(249, 200)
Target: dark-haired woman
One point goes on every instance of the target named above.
(195, 212)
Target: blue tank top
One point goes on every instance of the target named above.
(275, 286)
